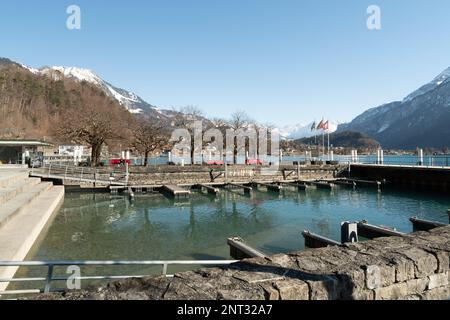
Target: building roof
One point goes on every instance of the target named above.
(33, 143)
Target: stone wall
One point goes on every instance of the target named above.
(415, 266)
(239, 173)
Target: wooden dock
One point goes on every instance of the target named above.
(247, 190)
(425, 225)
(319, 184)
(313, 240)
(135, 188)
(349, 184)
(270, 186)
(240, 250)
(210, 189)
(299, 186)
(364, 183)
(176, 191)
(371, 231)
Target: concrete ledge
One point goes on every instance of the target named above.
(413, 266)
(19, 235)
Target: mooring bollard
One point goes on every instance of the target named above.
(349, 232)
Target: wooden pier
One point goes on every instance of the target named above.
(298, 185)
(371, 231)
(210, 189)
(136, 188)
(176, 191)
(270, 186)
(349, 184)
(247, 190)
(364, 183)
(313, 240)
(425, 225)
(240, 250)
(319, 184)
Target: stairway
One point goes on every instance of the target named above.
(26, 205)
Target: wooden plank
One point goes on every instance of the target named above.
(313, 240)
(366, 183)
(210, 189)
(299, 186)
(246, 189)
(323, 185)
(240, 250)
(371, 231)
(350, 184)
(175, 190)
(425, 225)
(270, 186)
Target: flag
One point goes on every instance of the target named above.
(326, 125)
(320, 126)
(313, 127)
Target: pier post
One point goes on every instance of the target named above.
(349, 232)
(420, 157)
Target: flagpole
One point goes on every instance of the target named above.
(328, 135)
(323, 143)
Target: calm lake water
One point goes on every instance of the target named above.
(153, 227)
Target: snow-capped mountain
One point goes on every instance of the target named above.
(441, 79)
(132, 102)
(299, 131)
(420, 120)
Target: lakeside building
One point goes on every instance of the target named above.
(21, 151)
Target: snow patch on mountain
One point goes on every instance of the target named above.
(442, 78)
(126, 98)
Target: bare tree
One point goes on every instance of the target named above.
(148, 137)
(184, 118)
(239, 121)
(94, 124)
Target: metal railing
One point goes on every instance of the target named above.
(399, 160)
(109, 176)
(50, 277)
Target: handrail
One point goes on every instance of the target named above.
(71, 172)
(49, 278)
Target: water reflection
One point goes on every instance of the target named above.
(152, 227)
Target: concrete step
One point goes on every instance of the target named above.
(18, 236)
(8, 193)
(21, 202)
(8, 177)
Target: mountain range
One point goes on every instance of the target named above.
(422, 119)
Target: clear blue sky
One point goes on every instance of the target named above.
(283, 61)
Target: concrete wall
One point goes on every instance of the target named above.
(414, 177)
(412, 267)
